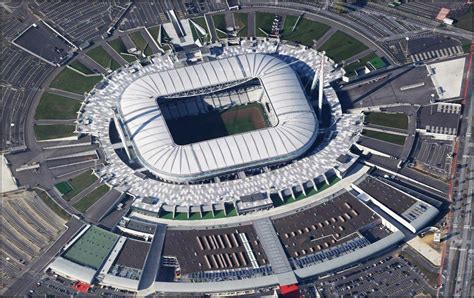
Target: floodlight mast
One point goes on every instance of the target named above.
(319, 77)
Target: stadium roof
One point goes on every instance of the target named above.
(154, 145)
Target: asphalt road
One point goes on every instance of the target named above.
(458, 270)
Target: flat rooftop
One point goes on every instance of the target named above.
(92, 248)
(44, 42)
(395, 200)
(133, 254)
(214, 249)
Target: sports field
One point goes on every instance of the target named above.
(239, 119)
(92, 248)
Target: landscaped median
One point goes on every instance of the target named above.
(119, 47)
(91, 198)
(72, 81)
(395, 120)
(53, 106)
(383, 136)
(103, 58)
(49, 132)
(52, 204)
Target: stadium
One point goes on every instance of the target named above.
(215, 90)
(229, 148)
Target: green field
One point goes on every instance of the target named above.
(396, 120)
(377, 62)
(53, 106)
(91, 198)
(466, 47)
(69, 80)
(201, 22)
(154, 32)
(78, 184)
(341, 46)
(48, 132)
(52, 204)
(241, 21)
(215, 124)
(92, 248)
(382, 136)
(305, 32)
(263, 21)
(103, 58)
(219, 23)
(63, 187)
(351, 68)
(141, 43)
(466, 21)
(81, 67)
(119, 47)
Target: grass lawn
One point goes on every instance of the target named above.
(141, 43)
(241, 21)
(351, 68)
(47, 132)
(466, 47)
(396, 120)
(378, 62)
(341, 46)
(138, 40)
(63, 187)
(69, 80)
(53, 106)
(305, 32)
(387, 137)
(154, 32)
(181, 216)
(91, 198)
(466, 21)
(119, 47)
(201, 22)
(166, 214)
(289, 23)
(52, 204)
(103, 58)
(78, 184)
(81, 67)
(264, 21)
(219, 23)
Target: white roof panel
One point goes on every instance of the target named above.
(293, 134)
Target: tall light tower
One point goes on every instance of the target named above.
(319, 78)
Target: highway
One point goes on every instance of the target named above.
(459, 250)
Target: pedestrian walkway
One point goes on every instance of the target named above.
(440, 53)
